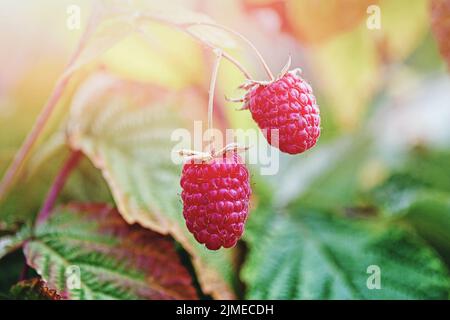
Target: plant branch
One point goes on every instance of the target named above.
(30, 140)
(42, 119)
(239, 35)
(212, 86)
(58, 184)
(182, 27)
(225, 55)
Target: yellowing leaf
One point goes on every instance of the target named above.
(348, 70)
(125, 129)
(154, 56)
(102, 34)
(404, 23)
(112, 21)
(12, 242)
(173, 15)
(315, 21)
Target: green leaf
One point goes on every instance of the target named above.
(125, 129)
(420, 195)
(327, 178)
(12, 242)
(33, 289)
(430, 168)
(401, 192)
(317, 256)
(430, 216)
(90, 252)
(25, 198)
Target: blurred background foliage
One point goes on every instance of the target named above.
(375, 190)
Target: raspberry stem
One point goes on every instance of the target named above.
(184, 28)
(58, 184)
(225, 55)
(212, 86)
(242, 37)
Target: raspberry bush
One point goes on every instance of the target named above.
(100, 203)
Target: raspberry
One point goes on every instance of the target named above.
(440, 22)
(286, 104)
(215, 200)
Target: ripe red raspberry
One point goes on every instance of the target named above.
(215, 200)
(286, 104)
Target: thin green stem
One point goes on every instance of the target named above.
(212, 87)
(239, 35)
(225, 55)
(58, 184)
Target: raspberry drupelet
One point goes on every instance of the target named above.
(215, 198)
